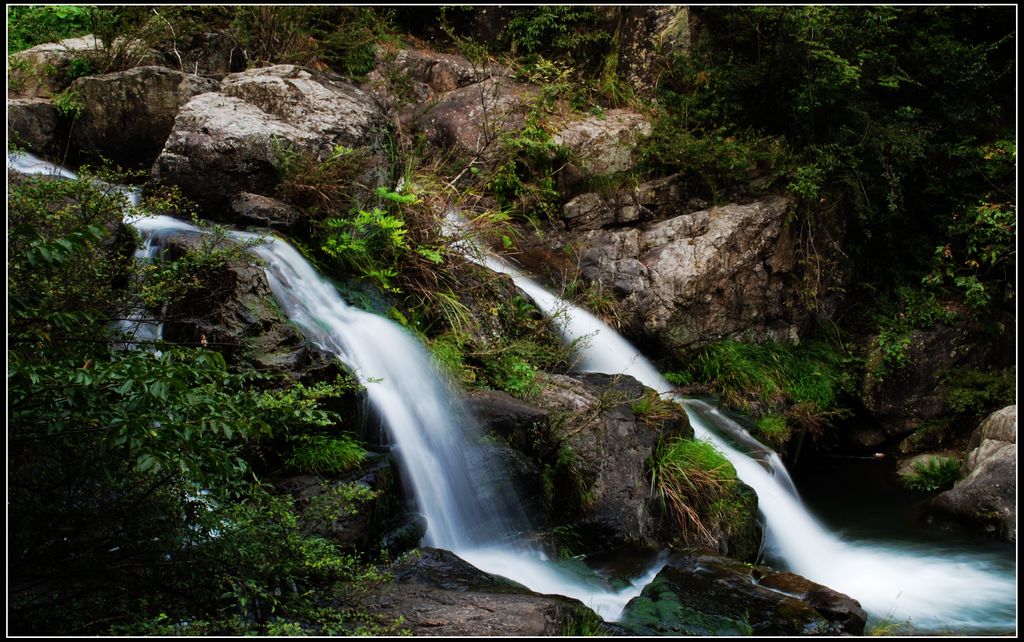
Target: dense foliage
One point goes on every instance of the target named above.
(892, 125)
(132, 495)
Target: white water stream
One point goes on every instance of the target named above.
(932, 589)
(434, 436)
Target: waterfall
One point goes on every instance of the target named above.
(934, 589)
(940, 589)
(433, 434)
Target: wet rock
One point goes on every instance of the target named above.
(234, 141)
(524, 426)
(702, 594)
(33, 124)
(42, 71)
(986, 492)
(604, 145)
(604, 451)
(842, 611)
(437, 593)
(255, 209)
(234, 312)
(703, 276)
(129, 114)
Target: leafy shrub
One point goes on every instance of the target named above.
(938, 473)
(28, 26)
(575, 32)
(130, 490)
(973, 394)
(525, 181)
(910, 309)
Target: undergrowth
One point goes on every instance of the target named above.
(784, 386)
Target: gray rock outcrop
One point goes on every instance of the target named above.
(605, 144)
(129, 114)
(234, 141)
(986, 492)
(647, 37)
(702, 276)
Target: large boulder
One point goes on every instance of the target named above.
(467, 122)
(604, 449)
(420, 74)
(696, 278)
(43, 70)
(237, 140)
(698, 593)
(336, 112)
(986, 493)
(605, 144)
(232, 310)
(129, 114)
(437, 593)
(33, 124)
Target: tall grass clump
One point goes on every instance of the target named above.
(691, 478)
(784, 386)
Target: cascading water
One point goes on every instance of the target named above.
(432, 431)
(941, 590)
(934, 589)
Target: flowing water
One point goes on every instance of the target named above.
(934, 589)
(433, 435)
(930, 586)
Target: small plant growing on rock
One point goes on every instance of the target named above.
(938, 473)
(688, 476)
(326, 454)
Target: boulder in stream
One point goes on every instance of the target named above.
(698, 593)
(234, 312)
(437, 593)
(986, 493)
